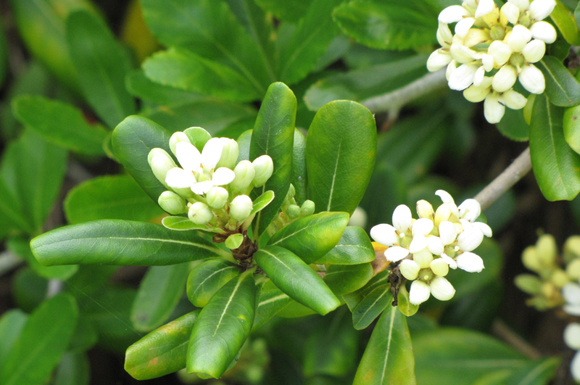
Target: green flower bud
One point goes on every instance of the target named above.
(439, 267)
(234, 241)
(573, 269)
(160, 162)
(572, 248)
(217, 197)
(424, 209)
(176, 138)
(241, 207)
(559, 278)
(529, 283)
(264, 167)
(547, 250)
(230, 153)
(307, 208)
(531, 260)
(291, 192)
(172, 203)
(244, 175)
(293, 211)
(200, 214)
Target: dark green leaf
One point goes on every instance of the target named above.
(142, 87)
(371, 306)
(117, 242)
(352, 300)
(343, 279)
(561, 87)
(289, 10)
(102, 65)
(222, 327)
(354, 247)
(207, 278)
(299, 177)
(272, 300)
(388, 358)
(313, 236)
(295, 310)
(42, 342)
(158, 294)
(11, 324)
(29, 289)
(295, 278)
(85, 335)
(273, 135)
(556, 166)
(73, 370)
(566, 23)
(21, 247)
(340, 155)
(514, 126)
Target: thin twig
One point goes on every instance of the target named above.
(504, 181)
(501, 330)
(9, 261)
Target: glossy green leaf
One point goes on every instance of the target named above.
(73, 370)
(142, 87)
(109, 197)
(42, 342)
(514, 126)
(21, 247)
(59, 123)
(312, 36)
(11, 324)
(85, 335)
(180, 68)
(556, 166)
(571, 125)
(207, 278)
(352, 300)
(561, 87)
(273, 135)
(566, 23)
(102, 65)
(262, 201)
(295, 278)
(389, 25)
(132, 139)
(447, 356)
(388, 357)
(117, 242)
(371, 306)
(299, 177)
(340, 155)
(223, 326)
(354, 247)
(158, 294)
(404, 304)
(343, 279)
(197, 136)
(272, 300)
(181, 224)
(539, 372)
(364, 83)
(313, 236)
(289, 10)
(162, 351)
(244, 142)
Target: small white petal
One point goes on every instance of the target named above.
(500, 51)
(438, 59)
(572, 310)
(505, 78)
(463, 26)
(540, 9)
(463, 54)
(484, 228)
(179, 178)
(513, 100)
(223, 176)
(384, 234)
(571, 293)
(470, 209)
(439, 267)
(543, 31)
(442, 289)
(202, 188)
(519, 37)
(423, 258)
(445, 196)
(447, 232)
(419, 292)
(487, 61)
(484, 7)
(511, 12)
(418, 244)
(572, 336)
(521, 4)
(422, 226)
(470, 239)
(470, 262)
(188, 156)
(396, 253)
(450, 68)
(532, 79)
(493, 110)
(175, 138)
(534, 51)
(434, 245)
(476, 94)
(409, 269)
(575, 367)
(212, 152)
(479, 76)
(444, 35)
(450, 261)
(453, 14)
(402, 218)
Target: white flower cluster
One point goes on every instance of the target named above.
(492, 48)
(209, 186)
(427, 247)
(572, 339)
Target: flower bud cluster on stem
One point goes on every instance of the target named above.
(290, 211)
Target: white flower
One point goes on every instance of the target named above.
(532, 79)
(470, 209)
(470, 262)
(504, 79)
(422, 226)
(385, 234)
(493, 109)
(396, 253)
(447, 232)
(402, 218)
(419, 292)
(519, 37)
(453, 14)
(438, 59)
(511, 12)
(540, 9)
(442, 289)
(571, 294)
(543, 31)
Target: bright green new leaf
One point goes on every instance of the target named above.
(158, 294)
(571, 125)
(371, 306)
(299, 177)
(117, 242)
(73, 370)
(340, 155)
(162, 351)
(354, 247)
(273, 135)
(566, 23)
(295, 278)
(556, 166)
(197, 136)
(313, 236)
(272, 300)
(11, 324)
(42, 342)
(404, 304)
(562, 88)
(343, 279)
(182, 224)
(207, 278)
(262, 201)
(388, 358)
(223, 326)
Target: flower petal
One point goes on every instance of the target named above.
(422, 226)
(450, 261)
(519, 37)
(188, 156)
(470, 262)
(575, 367)
(396, 253)
(409, 269)
(402, 218)
(532, 79)
(453, 14)
(423, 258)
(179, 178)
(543, 31)
(418, 244)
(484, 7)
(438, 59)
(470, 209)
(470, 239)
(493, 110)
(447, 232)
(223, 176)
(484, 228)
(513, 100)
(212, 152)
(445, 196)
(419, 292)
(571, 293)
(540, 9)
(505, 78)
(462, 77)
(442, 289)
(463, 26)
(534, 51)
(435, 245)
(572, 336)
(384, 234)
(202, 188)
(500, 51)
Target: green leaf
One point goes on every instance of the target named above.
(354, 299)
(539, 372)
(223, 326)
(394, 25)
(572, 127)
(180, 68)
(388, 357)
(514, 126)
(295, 310)
(109, 197)
(295, 278)
(371, 306)
(299, 178)
(207, 278)
(42, 342)
(343, 279)
(158, 294)
(73, 370)
(162, 351)
(142, 87)
(117, 242)
(313, 236)
(102, 65)
(404, 304)
(340, 155)
(312, 36)
(289, 10)
(556, 166)
(132, 139)
(364, 83)
(272, 300)
(11, 324)
(244, 142)
(182, 224)
(85, 335)
(354, 247)
(561, 87)
(29, 289)
(566, 23)
(262, 201)
(273, 135)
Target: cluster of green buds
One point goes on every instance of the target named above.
(556, 282)
(212, 187)
(290, 211)
(424, 249)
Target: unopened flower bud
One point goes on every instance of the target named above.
(307, 208)
(176, 138)
(423, 258)
(160, 162)
(519, 37)
(442, 214)
(244, 175)
(439, 267)
(500, 51)
(531, 260)
(241, 207)
(511, 12)
(358, 217)
(291, 192)
(419, 292)
(529, 283)
(442, 289)
(540, 9)
(230, 153)
(199, 213)
(293, 211)
(514, 100)
(234, 241)
(547, 250)
(264, 167)
(534, 51)
(505, 78)
(172, 203)
(559, 278)
(497, 32)
(409, 269)
(543, 31)
(217, 197)
(532, 79)
(424, 209)
(573, 269)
